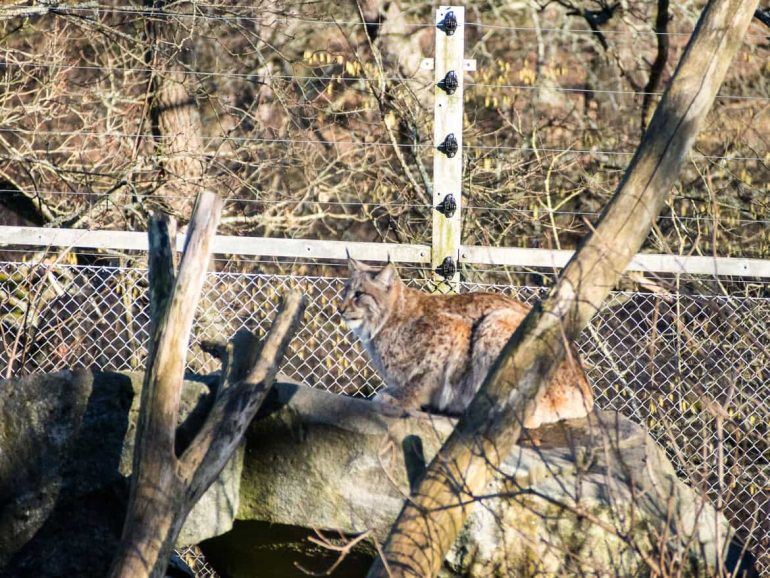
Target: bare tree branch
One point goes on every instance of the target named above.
(659, 64)
(43, 8)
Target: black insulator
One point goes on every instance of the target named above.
(449, 23)
(450, 84)
(448, 206)
(447, 269)
(450, 146)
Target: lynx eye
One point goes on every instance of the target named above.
(357, 294)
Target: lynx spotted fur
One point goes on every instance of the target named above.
(434, 351)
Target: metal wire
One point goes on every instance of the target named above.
(296, 201)
(633, 33)
(600, 91)
(152, 12)
(196, 561)
(203, 73)
(400, 205)
(362, 144)
(261, 77)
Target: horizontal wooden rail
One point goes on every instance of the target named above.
(646, 262)
(262, 246)
(382, 252)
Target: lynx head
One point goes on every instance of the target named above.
(369, 297)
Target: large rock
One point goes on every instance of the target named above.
(592, 497)
(594, 494)
(66, 447)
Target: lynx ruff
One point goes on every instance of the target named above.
(434, 351)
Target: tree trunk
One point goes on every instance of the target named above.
(175, 118)
(431, 519)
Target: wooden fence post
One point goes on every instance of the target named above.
(448, 66)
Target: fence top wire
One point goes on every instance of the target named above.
(256, 76)
(288, 262)
(471, 84)
(319, 21)
(270, 19)
(292, 201)
(374, 204)
(362, 144)
(633, 33)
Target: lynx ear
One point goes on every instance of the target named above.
(388, 275)
(353, 265)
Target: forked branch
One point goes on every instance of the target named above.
(164, 488)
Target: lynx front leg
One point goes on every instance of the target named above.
(393, 406)
(412, 394)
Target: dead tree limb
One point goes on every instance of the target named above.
(44, 8)
(164, 487)
(162, 268)
(431, 519)
(763, 15)
(239, 398)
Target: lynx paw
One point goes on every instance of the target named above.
(392, 406)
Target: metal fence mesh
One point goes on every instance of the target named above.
(196, 561)
(695, 369)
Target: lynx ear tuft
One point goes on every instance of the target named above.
(388, 275)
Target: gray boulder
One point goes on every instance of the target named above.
(66, 448)
(587, 497)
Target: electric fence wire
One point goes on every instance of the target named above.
(318, 21)
(373, 205)
(361, 144)
(136, 256)
(263, 78)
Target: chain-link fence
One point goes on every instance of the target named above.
(695, 369)
(194, 559)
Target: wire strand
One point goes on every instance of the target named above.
(206, 73)
(274, 17)
(588, 31)
(166, 14)
(233, 199)
(377, 204)
(153, 12)
(359, 143)
(545, 213)
(545, 270)
(263, 77)
(600, 90)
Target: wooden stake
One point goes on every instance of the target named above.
(448, 66)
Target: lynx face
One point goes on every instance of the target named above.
(367, 298)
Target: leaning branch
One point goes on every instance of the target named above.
(237, 405)
(659, 64)
(431, 519)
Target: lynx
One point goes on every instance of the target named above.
(434, 351)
